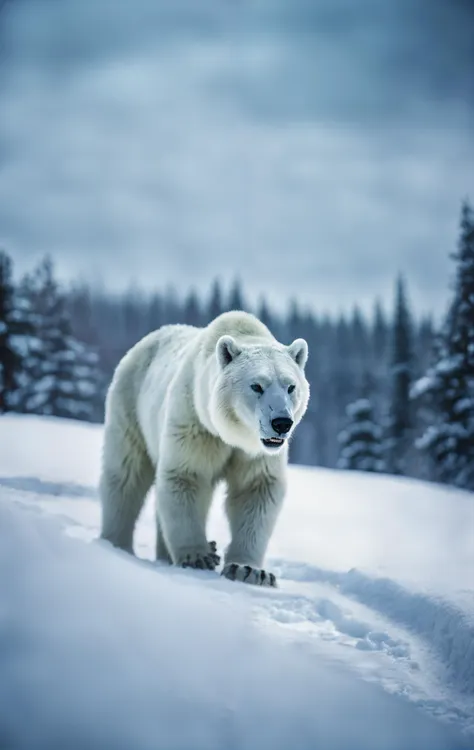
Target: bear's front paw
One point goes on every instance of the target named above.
(201, 560)
(247, 574)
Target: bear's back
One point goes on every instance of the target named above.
(241, 325)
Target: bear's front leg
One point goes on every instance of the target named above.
(254, 499)
(182, 504)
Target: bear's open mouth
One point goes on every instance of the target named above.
(273, 442)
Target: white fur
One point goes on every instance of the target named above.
(181, 412)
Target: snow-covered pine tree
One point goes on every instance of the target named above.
(9, 360)
(447, 389)
(400, 418)
(379, 334)
(377, 362)
(14, 331)
(361, 440)
(63, 377)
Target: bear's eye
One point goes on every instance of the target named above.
(257, 388)
(291, 388)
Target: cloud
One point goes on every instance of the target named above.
(157, 142)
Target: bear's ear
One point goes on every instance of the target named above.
(298, 351)
(227, 349)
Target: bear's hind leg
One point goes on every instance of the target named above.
(162, 551)
(127, 475)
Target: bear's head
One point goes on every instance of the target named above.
(260, 393)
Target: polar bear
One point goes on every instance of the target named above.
(187, 408)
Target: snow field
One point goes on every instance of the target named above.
(372, 622)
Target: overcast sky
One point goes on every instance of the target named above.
(314, 148)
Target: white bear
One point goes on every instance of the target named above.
(188, 407)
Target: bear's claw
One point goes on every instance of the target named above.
(213, 551)
(247, 574)
(203, 562)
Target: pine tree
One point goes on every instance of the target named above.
(400, 419)
(265, 314)
(293, 321)
(9, 360)
(447, 390)
(192, 315)
(461, 330)
(342, 376)
(377, 358)
(236, 297)
(63, 377)
(80, 310)
(215, 306)
(380, 334)
(172, 312)
(14, 331)
(133, 320)
(154, 314)
(360, 348)
(360, 334)
(425, 341)
(361, 441)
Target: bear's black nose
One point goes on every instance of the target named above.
(282, 425)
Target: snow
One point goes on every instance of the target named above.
(423, 385)
(367, 643)
(449, 364)
(359, 407)
(464, 406)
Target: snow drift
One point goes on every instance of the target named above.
(100, 651)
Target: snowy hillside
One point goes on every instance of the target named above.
(367, 643)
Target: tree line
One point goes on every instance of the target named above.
(389, 392)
